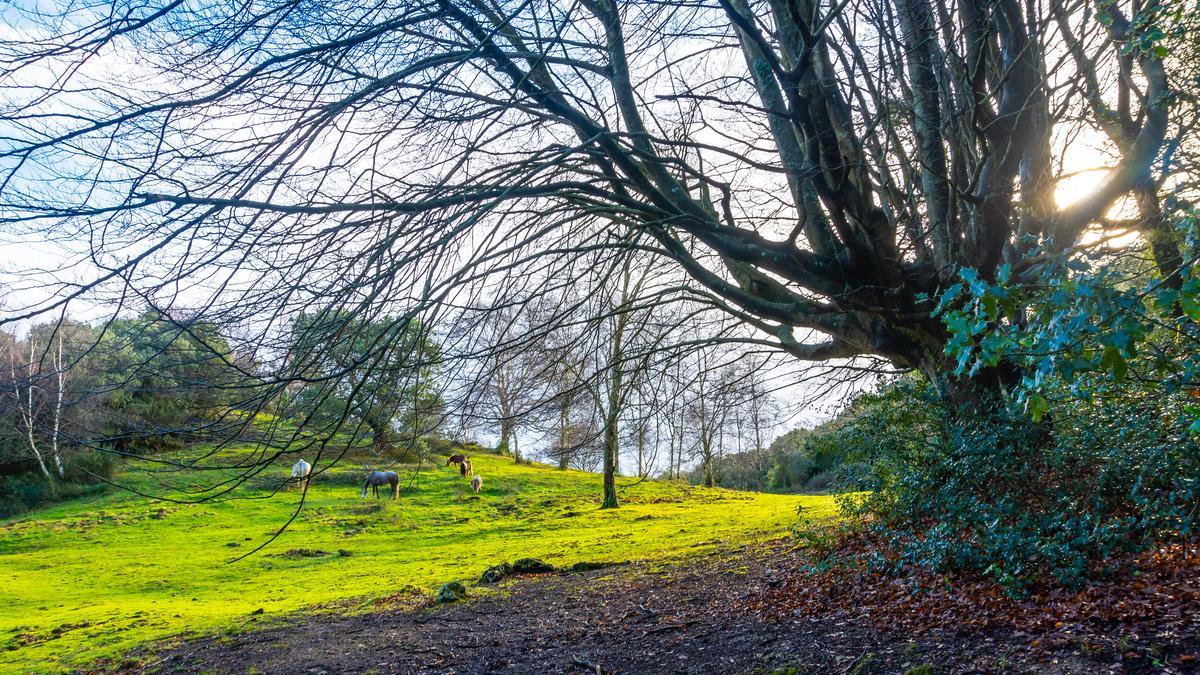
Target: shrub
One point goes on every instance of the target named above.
(91, 467)
(1027, 502)
(821, 481)
(1092, 447)
(86, 472)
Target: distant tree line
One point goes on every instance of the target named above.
(828, 456)
(76, 397)
(73, 397)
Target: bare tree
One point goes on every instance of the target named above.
(616, 364)
(572, 428)
(23, 379)
(518, 378)
(642, 429)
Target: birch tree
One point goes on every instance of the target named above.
(25, 402)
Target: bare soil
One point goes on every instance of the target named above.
(689, 617)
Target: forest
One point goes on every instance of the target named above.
(814, 313)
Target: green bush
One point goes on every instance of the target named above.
(1088, 448)
(790, 470)
(1025, 502)
(86, 472)
(90, 467)
(822, 481)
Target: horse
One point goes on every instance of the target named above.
(378, 478)
(476, 484)
(465, 469)
(456, 458)
(300, 473)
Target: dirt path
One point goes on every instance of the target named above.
(633, 619)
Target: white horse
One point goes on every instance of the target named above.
(476, 484)
(377, 479)
(301, 472)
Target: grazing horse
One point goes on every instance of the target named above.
(465, 468)
(456, 458)
(300, 473)
(476, 484)
(378, 478)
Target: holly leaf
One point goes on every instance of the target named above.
(1037, 406)
(1112, 361)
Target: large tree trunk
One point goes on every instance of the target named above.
(979, 394)
(710, 478)
(506, 438)
(982, 399)
(1160, 235)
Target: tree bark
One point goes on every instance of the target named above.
(564, 441)
(710, 478)
(610, 462)
(26, 412)
(982, 399)
(506, 438)
(970, 397)
(612, 440)
(1160, 235)
(58, 405)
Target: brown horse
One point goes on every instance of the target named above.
(457, 458)
(465, 468)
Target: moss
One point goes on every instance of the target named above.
(114, 571)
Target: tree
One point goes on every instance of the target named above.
(379, 373)
(617, 364)
(24, 377)
(641, 433)
(572, 426)
(516, 373)
(50, 390)
(164, 379)
(713, 399)
(69, 385)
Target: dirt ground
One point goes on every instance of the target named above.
(640, 618)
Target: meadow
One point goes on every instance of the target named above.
(93, 580)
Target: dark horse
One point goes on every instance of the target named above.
(456, 459)
(378, 478)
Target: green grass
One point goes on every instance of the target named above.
(91, 579)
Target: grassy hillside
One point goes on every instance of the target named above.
(90, 579)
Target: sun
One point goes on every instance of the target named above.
(1084, 170)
